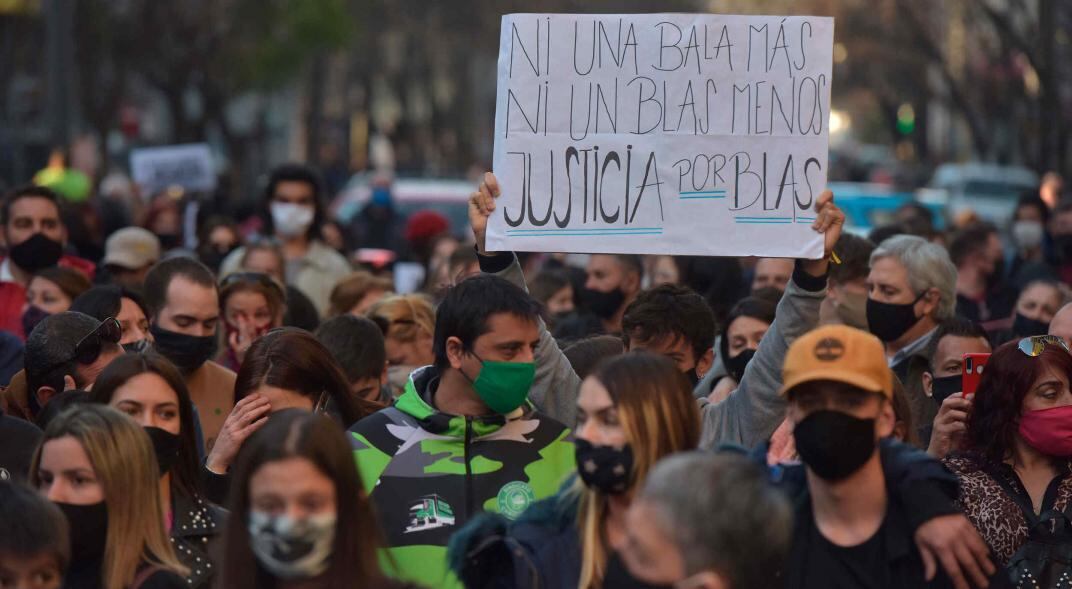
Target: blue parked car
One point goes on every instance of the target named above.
(869, 205)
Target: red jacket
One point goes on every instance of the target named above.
(13, 295)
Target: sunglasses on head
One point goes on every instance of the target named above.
(88, 349)
(1032, 346)
(252, 278)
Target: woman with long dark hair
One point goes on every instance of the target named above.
(285, 368)
(149, 389)
(1016, 459)
(298, 515)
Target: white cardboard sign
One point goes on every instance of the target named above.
(690, 134)
(189, 165)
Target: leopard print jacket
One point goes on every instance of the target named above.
(994, 514)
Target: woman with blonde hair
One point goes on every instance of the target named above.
(98, 467)
(633, 411)
(408, 322)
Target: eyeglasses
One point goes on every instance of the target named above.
(253, 278)
(1032, 346)
(88, 349)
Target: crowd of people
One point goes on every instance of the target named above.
(258, 406)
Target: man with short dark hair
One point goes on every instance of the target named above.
(944, 406)
(34, 236)
(613, 282)
(293, 212)
(68, 351)
(673, 321)
(358, 346)
(708, 521)
(184, 306)
(977, 253)
(463, 437)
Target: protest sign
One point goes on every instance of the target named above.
(691, 134)
(189, 166)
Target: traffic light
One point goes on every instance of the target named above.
(906, 119)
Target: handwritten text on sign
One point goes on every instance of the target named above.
(661, 133)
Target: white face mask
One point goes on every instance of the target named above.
(290, 548)
(1027, 234)
(291, 220)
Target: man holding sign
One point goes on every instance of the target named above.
(754, 410)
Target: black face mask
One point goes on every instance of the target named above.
(169, 240)
(1023, 327)
(889, 321)
(187, 352)
(834, 444)
(604, 468)
(944, 386)
(165, 446)
(213, 257)
(603, 304)
(136, 347)
(32, 317)
(88, 525)
(36, 253)
(735, 365)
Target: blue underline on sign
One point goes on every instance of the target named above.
(764, 220)
(702, 194)
(808, 219)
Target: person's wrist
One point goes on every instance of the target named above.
(816, 268)
(216, 465)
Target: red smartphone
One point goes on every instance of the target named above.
(973, 372)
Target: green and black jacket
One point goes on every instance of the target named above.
(428, 472)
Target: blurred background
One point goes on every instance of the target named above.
(956, 104)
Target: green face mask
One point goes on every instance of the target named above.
(503, 386)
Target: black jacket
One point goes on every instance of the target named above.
(919, 488)
(541, 549)
(196, 524)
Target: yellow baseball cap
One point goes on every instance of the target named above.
(838, 353)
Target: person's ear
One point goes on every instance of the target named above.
(68, 383)
(383, 375)
(455, 352)
(928, 384)
(703, 365)
(930, 301)
(886, 421)
(44, 394)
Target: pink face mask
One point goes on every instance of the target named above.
(1048, 430)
